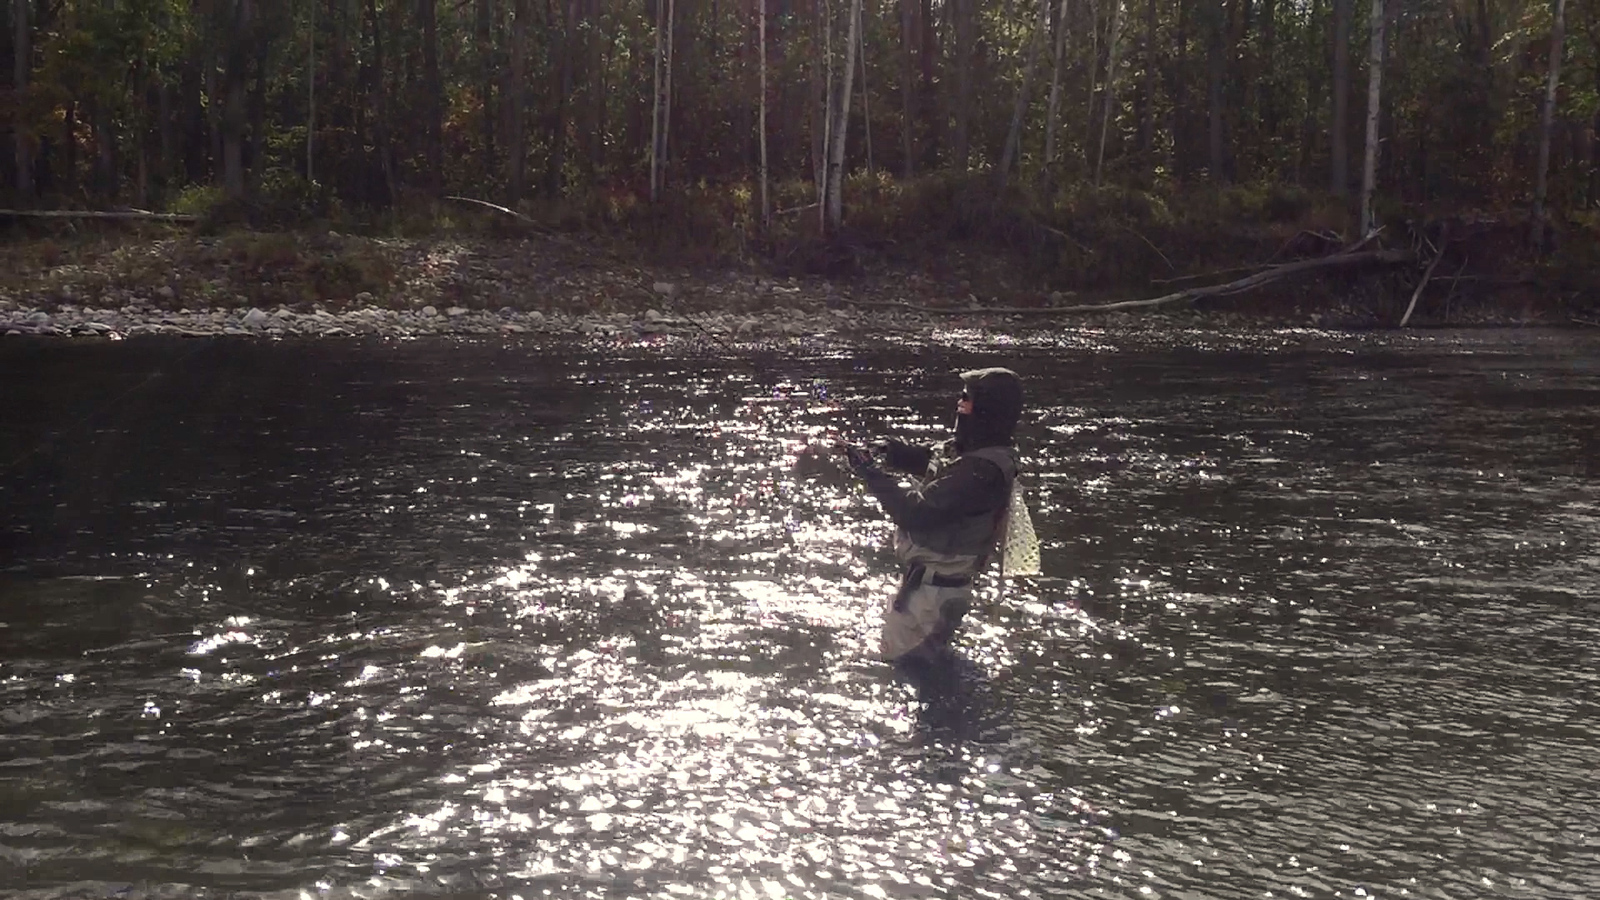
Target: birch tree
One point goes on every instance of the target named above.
(1369, 168)
(1111, 87)
(766, 208)
(1557, 33)
(1014, 136)
(1052, 121)
(835, 175)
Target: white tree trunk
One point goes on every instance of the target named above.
(1051, 121)
(827, 115)
(1111, 87)
(766, 208)
(1008, 155)
(1369, 169)
(835, 194)
(1541, 183)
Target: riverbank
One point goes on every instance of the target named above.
(483, 276)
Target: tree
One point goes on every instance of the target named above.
(1339, 134)
(1111, 87)
(1557, 33)
(22, 66)
(1040, 34)
(835, 177)
(1369, 168)
(766, 206)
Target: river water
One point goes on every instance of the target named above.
(1317, 619)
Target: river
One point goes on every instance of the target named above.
(347, 619)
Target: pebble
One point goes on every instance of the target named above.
(773, 322)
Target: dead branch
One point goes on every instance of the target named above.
(1336, 261)
(137, 214)
(501, 209)
(795, 209)
(1426, 276)
(1170, 266)
(1231, 271)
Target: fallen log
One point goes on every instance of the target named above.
(138, 214)
(1336, 261)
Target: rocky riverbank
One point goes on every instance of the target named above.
(68, 320)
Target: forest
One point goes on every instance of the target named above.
(1115, 138)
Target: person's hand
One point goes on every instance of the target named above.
(859, 458)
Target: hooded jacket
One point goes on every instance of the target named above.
(949, 520)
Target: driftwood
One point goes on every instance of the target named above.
(1336, 261)
(136, 214)
(501, 209)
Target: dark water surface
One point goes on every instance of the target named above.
(331, 619)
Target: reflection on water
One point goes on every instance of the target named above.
(328, 620)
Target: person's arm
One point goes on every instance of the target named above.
(906, 457)
(969, 487)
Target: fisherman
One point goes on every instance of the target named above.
(947, 525)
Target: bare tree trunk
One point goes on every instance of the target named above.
(1052, 121)
(1216, 71)
(1339, 153)
(483, 27)
(655, 111)
(1147, 102)
(22, 67)
(561, 50)
(234, 106)
(908, 75)
(433, 87)
(823, 183)
(666, 110)
(311, 96)
(866, 109)
(1008, 155)
(1541, 182)
(1111, 87)
(1369, 168)
(964, 28)
(516, 106)
(381, 123)
(766, 207)
(836, 151)
(164, 167)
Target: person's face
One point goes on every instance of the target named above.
(964, 406)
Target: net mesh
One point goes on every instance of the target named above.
(1021, 543)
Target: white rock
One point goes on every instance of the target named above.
(514, 328)
(166, 292)
(255, 318)
(536, 318)
(283, 313)
(456, 311)
(652, 316)
(39, 318)
(665, 288)
(430, 311)
(364, 297)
